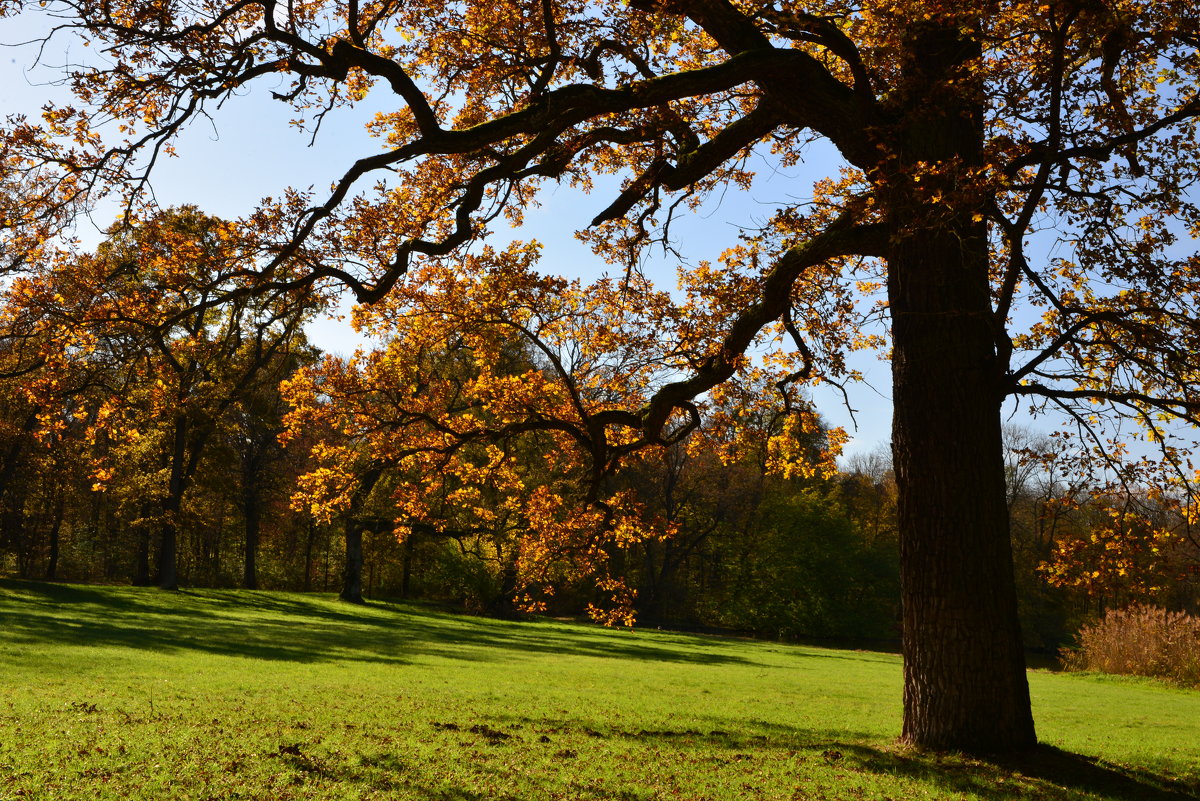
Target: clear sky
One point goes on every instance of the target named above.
(250, 150)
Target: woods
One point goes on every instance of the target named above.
(1011, 216)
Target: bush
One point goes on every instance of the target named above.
(1141, 641)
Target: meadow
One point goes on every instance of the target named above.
(130, 693)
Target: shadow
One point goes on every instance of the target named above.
(827, 652)
(308, 628)
(1044, 772)
(1056, 766)
(535, 740)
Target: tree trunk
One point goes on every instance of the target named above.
(964, 678)
(253, 521)
(308, 555)
(503, 604)
(964, 664)
(141, 569)
(13, 529)
(406, 574)
(352, 575)
(168, 546)
(168, 557)
(325, 575)
(649, 599)
(55, 530)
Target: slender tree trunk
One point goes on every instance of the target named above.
(168, 546)
(659, 590)
(55, 530)
(253, 522)
(141, 568)
(325, 575)
(503, 603)
(168, 557)
(352, 575)
(406, 574)
(308, 555)
(964, 670)
(103, 532)
(13, 528)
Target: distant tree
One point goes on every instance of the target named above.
(868, 490)
(806, 570)
(499, 399)
(168, 365)
(251, 433)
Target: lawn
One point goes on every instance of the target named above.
(128, 693)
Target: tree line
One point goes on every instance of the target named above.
(151, 438)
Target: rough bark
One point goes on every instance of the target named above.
(964, 670)
(964, 676)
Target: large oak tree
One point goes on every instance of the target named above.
(977, 138)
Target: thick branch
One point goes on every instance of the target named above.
(843, 237)
(1185, 409)
(806, 94)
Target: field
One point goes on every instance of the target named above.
(127, 693)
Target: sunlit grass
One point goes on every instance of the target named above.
(135, 693)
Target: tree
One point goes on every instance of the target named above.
(1117, 538)
(709, 493)
(174, 365)
(489, 400)
(806, 570)
(252, 436)
(971, 132)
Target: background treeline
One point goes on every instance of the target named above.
(790, 558)
(140, 441)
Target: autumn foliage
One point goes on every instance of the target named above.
(500, 399)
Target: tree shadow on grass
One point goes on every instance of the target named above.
(1056, 766)
(305, 628)
(1044, 772)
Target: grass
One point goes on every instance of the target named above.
(127, 693)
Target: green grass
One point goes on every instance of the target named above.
(133, 693)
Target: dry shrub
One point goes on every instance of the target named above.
(1141, 641)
